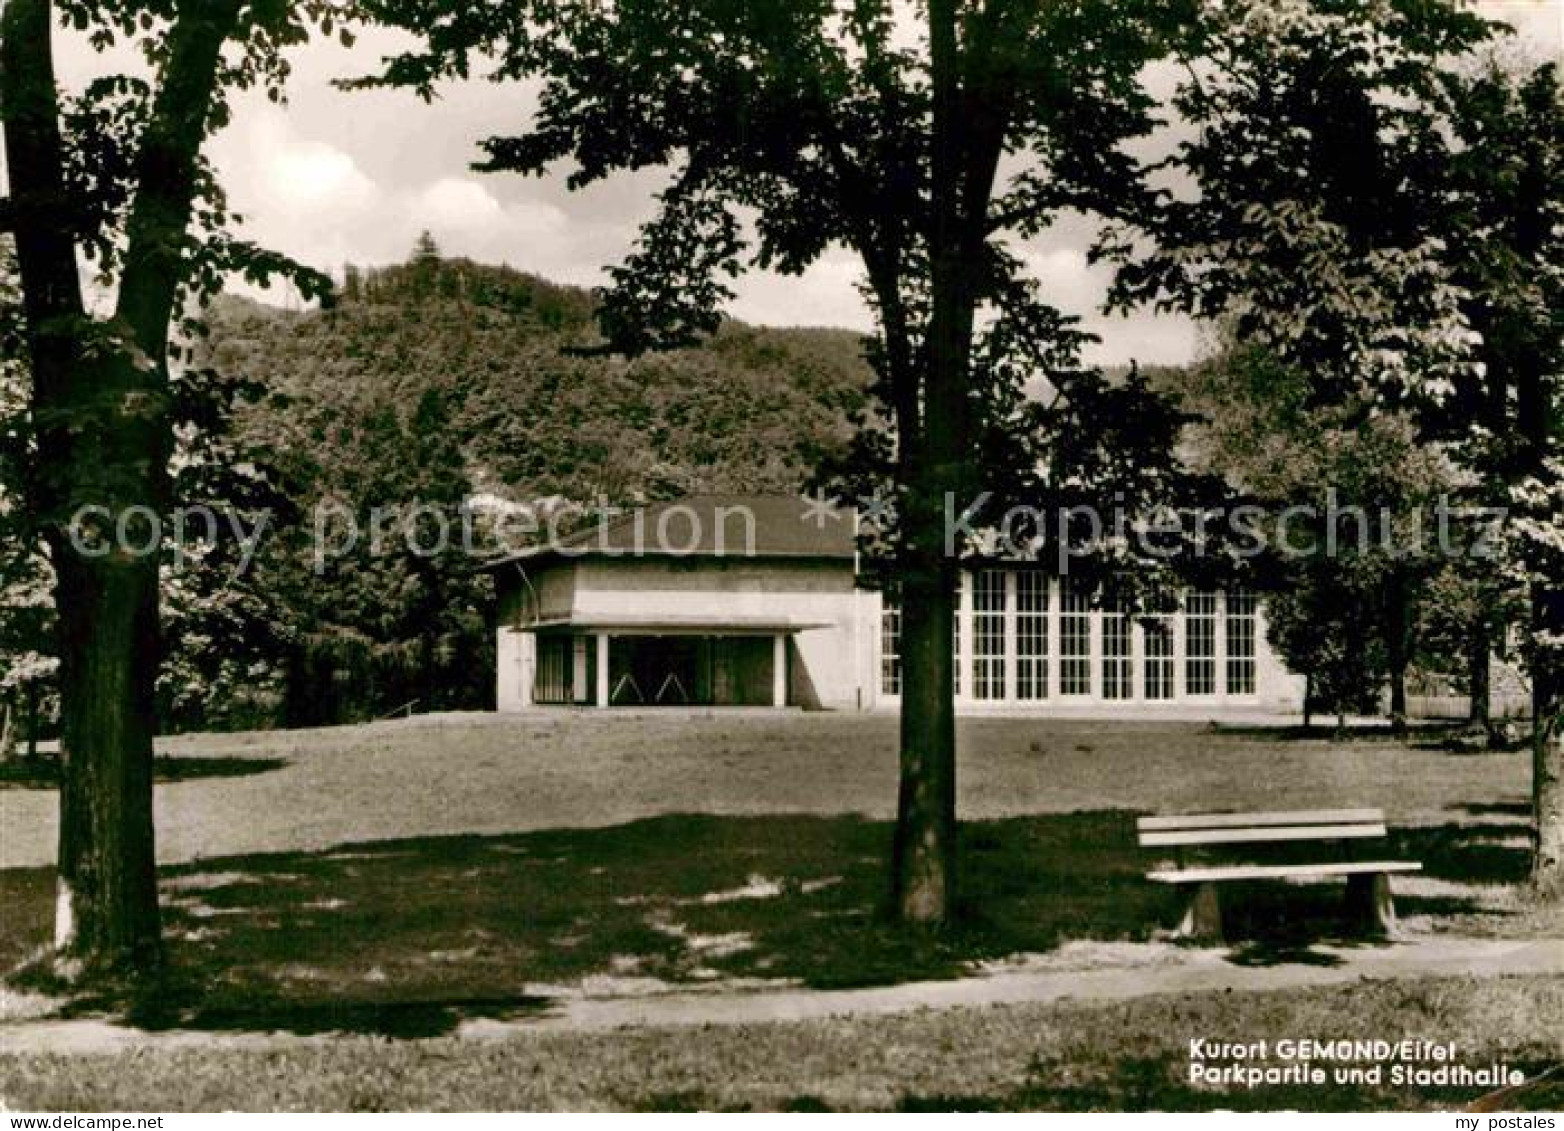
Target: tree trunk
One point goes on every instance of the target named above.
(923, 860)
(1547, 690)
(1548, 785)
(1479, 660)
(107, 909)
(7, 729)
(32, 721)
(1398, 699)
(1397, 649)
(938, 471)
(1548, 800)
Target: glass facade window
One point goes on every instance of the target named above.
(1240, 643)
(1009, 641)
(1117, 657)
(1031, 635)
(1200, 644)
(1158, 657)
(890, 649)
(1075, 644)
(988, 631)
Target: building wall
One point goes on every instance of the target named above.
(514, 668)
(843, 664)
(526, 596)
(1278, 687)
(828, 664)
(808, 592)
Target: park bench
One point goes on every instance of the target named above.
(1291, 834)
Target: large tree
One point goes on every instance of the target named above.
(1318, 134)
(927, 139)
(1506, 419)
(117, 175)
(1378, 214)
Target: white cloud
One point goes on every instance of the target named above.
(824, 295)
(299, 195)
(310, 199)
(453, 202)
(1539, 24)
(1077, 287)
(298, 176)
(303, 191)
(466, 218)
(1065, 279)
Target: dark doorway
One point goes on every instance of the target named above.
(674, 671)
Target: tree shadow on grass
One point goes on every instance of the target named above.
(411, 937)
(1489, 844)
(1519, 812)
(44, 773)
(1422, 732)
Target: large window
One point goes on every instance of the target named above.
(1200, 644)
(991, 605)
(890, 648)
(1117, 659)
(1075, 644)
(1240, 643)
(1031, 635)
(556, 663)
(988, 631)
(1158, 657)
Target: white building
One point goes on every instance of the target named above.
(758, 601)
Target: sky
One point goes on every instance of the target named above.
(338, 177)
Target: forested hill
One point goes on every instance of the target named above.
(483, 355)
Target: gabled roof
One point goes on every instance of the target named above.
(709, 526)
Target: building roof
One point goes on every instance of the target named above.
(710, 526)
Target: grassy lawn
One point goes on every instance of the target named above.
(397, 879)
(1127, 1056)
(491, 774)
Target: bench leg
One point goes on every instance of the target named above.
(1202, 920)
(1369, 904)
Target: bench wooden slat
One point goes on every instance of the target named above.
(1255, 820)
(1280, 871)
(1262, 835)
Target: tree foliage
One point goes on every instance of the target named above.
(27, 661)
(1314, 225)
(1350, 514)
(1507, 422)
